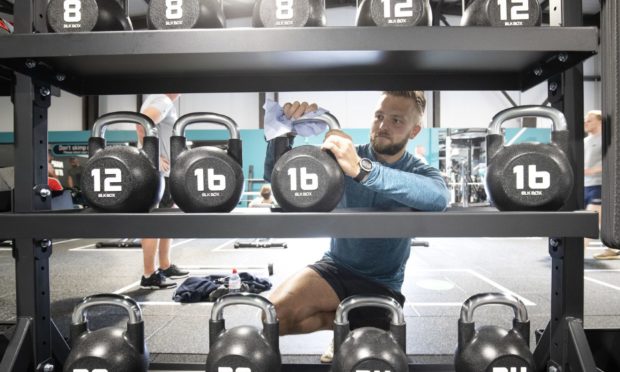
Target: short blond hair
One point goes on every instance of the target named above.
(596, 113)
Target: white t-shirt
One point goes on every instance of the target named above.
(593, 157)
(169, 115)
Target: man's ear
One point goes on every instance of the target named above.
(414, 131)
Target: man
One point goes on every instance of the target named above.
(381, 174)
(160, 108)
(74, 174)
(593, 172)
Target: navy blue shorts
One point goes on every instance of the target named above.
(347, 283)
(592, 195)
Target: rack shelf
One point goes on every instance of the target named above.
(456, 222)
(347, 58)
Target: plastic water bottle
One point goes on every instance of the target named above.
(234, 282)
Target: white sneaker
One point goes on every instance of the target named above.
(328, 355)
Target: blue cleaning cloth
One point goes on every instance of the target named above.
(277, 124)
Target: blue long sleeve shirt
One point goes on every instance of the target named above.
(406, 183)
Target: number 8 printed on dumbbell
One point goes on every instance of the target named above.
(73, 11)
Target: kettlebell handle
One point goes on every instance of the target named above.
(109, 299)
(350, 303)
(123, 117)
(244, 299)
(467, 310)
(556, 116)
(205, 117)
(327, 118)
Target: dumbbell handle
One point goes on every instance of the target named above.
(467, 310)
(556, 116)
(127, 303)
(123, 117)
(205, 117)
(350, 303)
(327, 118)
(244, 299)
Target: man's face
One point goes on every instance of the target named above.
(591, 123)
(396, 121)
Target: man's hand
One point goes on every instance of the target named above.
(341, 145)
(164, 164)
(296, 110)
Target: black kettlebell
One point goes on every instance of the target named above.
(306, 178)
(369, 348)
(394, 13)
(492, 348)
(184, 14)
(502, 13)
(244, 347)
(87, 15)
(109, 349)
(289, 13)
(528, 176)
(122, 178)
(205, 179)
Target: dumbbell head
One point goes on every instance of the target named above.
(403, 13)
(72, 15)
(87, 15)
(184, 14)
(289, 13)
(502, 13)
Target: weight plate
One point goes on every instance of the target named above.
(72, 15)
(173, 14)
(513, 12)
(396, 12)
(284, 13)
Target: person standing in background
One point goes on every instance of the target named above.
(160, 108)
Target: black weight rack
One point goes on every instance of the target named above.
(250, 60)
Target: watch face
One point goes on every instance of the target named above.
(366, 164)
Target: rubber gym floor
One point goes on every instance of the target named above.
(438, 279)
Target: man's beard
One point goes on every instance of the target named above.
(387, 149)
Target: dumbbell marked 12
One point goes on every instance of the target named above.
(519, 11)
(108, 187)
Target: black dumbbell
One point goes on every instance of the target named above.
(183, 14)
(502, 13)
(122, 178)
(87, 15)
(205, 179)
(109, 348)
(402, 13)
(528, 176)
(369, 348)
(289, 13)
(492, 348)
(306, 178)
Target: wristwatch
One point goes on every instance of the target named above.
(365, 168)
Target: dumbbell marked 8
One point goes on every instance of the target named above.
(73, 12)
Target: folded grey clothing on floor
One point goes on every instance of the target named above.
(211, 287)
